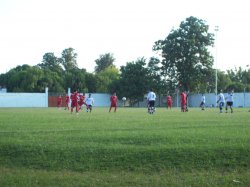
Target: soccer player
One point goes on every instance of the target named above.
(74, 101)
(221, 101)
(89, 103)
(81, 100)
(229, 99)
(151, 101)
(67, 99)
(169, 101)
(59, 102)
(183, 102)
(203, 101)
(113, 102)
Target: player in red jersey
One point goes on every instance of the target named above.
(169, 101)
(81, 100)
(67, 102)
(183, 101)
(113, 102)
(59, 102)
(74, 101)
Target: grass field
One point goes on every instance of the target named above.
(50, 147)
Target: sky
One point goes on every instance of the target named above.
(125, 28)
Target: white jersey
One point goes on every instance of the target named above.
(203, 99)
(221, 98)
(229, 97)
(151, 96)
(89, 101)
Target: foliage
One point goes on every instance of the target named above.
(240, 79)
(156, 80)
(186, 58)
(134, 82)
(104, 62)
(24, 78)
(75, 79)
(105, 78)
(68, 59)
(91, 82)
(52, 63)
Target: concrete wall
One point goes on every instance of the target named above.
(24, 99)
(240, 100)
(102, 100)
(194, 100)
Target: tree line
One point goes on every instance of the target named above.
(185, 64)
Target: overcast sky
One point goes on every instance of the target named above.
(125, 28)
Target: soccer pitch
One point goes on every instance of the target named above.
(51, 147)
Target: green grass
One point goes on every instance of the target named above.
(50, 147)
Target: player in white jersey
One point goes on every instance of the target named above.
(89, 103)
(221, 101)
(203, 101)
(229, 99)
(151, 101)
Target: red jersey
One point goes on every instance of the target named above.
(67, 99)
(74, 98)
(183, 97)
(169, 98)
(59, 101)
(82, 99)
(113, 100)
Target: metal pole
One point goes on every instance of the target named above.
(216, 53)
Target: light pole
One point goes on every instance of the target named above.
(216, 51)
(245, 85)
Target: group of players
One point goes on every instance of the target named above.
(151, 97)
(77, 100)
(228, 101)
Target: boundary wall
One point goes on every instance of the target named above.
(194, 100)
(24, 99)
(102, 100)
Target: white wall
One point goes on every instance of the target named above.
(240, 99)
(24, 99)
(194, 100)
(101, 99)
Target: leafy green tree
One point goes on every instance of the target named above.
(240, 79)
(25, 78)
(134, 81)
(51, 62)
(68, 59)
(105, 78)
(223, 81)
(91, 82)
(156, 80)
(104, 62)
(186, 59)
(75, 79)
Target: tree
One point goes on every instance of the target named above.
(240, 79)
(68, 59)
(156, 80)
(186, 60)
(51, 62)
(104, 62)
(105, 79)
(91, 82)
(223, 81)
(25, 78)
(75, 79)
(133, 82)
